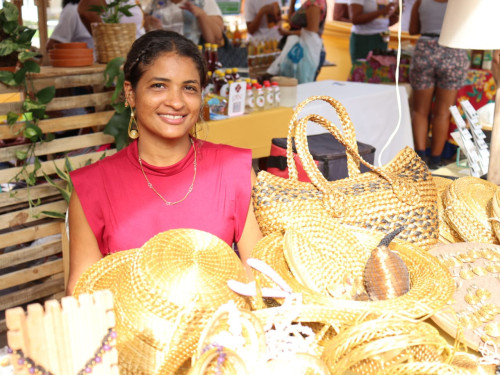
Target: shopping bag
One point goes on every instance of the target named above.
(299, 57)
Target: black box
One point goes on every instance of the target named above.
(327, 152)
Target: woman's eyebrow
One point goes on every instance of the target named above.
(163, 79)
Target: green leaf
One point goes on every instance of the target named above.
(7, 46)
(30, 133)
(37, 164)
(120, 107)
(26, 55)
(11, 28)
(117, 127)
(31, 66)
(7, 78)
(10, 11)
(46, 94)
(12, 118)
(113, 69)
(29, 105)
(21, 155)
(49, 137)
(26, 35)
(31, 179)
(54, 214)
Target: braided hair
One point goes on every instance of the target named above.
(147, 48)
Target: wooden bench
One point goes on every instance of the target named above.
(32, 265)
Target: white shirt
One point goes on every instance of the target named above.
(378, 25)
(252, 7)
(137, 18)
(70, 27)
(182, 21)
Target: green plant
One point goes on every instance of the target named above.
(17, 40)
(118, 124)
(111, 13)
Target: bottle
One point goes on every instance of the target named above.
(249, 99)
(476, 59)
(237, 36)
(260, 99)
(268, 95)
(209, 88)
(487, 60)
(276, 88)
(207, 54)
(229, 74)
(219, 81)
(224, 90)
(215, 58)
(236, 75)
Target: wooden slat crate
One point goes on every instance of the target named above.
(32, 268)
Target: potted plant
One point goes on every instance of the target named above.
(111, 38)
(15, 39)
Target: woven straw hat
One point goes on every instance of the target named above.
(431, 283)
(446, 233)
(495, 214)
(467, 201)
(164, 293)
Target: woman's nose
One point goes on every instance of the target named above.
(174, 98)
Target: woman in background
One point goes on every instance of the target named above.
(166, 178)
(70, 27)
(436, 74)
(370, 26)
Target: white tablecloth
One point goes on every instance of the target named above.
(372, 108)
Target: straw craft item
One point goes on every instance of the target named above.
(495, 214)
(467, 201)
(112, 40)
(386, 275)
(371, 346)
(446, 233)
(164, 294)
(400, 193)
(473, 314)
(431, 285)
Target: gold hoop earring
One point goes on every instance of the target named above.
(133, 133)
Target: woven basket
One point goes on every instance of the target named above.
(467, 201)
(446, 233)
(112, 40)
(495, 214)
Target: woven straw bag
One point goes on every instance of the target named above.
(401, 193)
(112, 40)
(467, 201)
(446, 233)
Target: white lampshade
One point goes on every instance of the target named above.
(471, 24)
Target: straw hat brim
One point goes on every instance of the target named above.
(467, 208)
(446, 233)
(431, 283)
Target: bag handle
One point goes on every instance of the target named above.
(403, 190)
(347, 126)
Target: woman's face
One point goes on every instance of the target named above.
(167, 98)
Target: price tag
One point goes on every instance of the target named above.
(457, 117)
(475, 170)
(237, 93)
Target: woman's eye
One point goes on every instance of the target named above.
(192, 88)
(157, 85)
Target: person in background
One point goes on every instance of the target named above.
(406, 14)
(370, 26)
(88, 17)
(436, 74)
(310, 16)
(166, 178)
(70, 27)
(341, 11)
(198, 20)
(262, 18)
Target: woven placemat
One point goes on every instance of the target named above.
(475, 306)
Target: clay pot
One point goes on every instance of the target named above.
(70, 53)
(76, 45)
(72, 62)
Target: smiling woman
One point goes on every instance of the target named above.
(166, 178)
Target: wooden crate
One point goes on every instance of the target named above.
(32, 268)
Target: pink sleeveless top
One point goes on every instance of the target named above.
(124, 212)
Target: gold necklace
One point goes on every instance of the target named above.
(150, 185)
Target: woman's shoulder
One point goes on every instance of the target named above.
(102, 165)
(226, 150)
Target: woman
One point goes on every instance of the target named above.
(166, 178)
(310, 16)
(436, 74)
(70, 27)
(198, 20)
(370, 26)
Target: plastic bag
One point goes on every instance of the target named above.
(299, 57)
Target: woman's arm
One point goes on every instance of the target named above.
(358, 17)
(250, 236)
(83, 248)
(211, 26)
(273, 9)
(414, 28)
(313, 19)
(87, 16)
